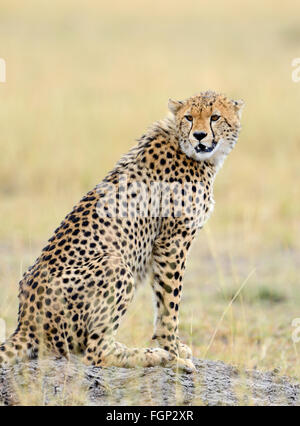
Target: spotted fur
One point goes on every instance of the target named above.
(74, 297)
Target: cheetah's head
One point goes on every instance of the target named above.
(208, 125)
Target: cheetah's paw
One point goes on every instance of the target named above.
(184, 365)
(156, 357)
(184, 351)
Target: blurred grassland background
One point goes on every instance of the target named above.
(84, 79)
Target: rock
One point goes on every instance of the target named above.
(62, 382)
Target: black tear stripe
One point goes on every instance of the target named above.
(190, 131)
(229, 125)
(212, 130)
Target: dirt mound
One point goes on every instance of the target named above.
(61, 382)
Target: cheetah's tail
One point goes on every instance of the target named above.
(13, 350)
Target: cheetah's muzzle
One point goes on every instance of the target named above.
(202, 148)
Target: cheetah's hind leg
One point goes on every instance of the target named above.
(117, 289)
(108, 352)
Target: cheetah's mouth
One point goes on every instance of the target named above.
(205, 149)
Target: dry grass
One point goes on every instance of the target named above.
(84, 79)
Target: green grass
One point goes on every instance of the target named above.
(83, 82)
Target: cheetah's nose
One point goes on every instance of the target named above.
(199, 135)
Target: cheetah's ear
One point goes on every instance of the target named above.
(238, 106)
(174, 106)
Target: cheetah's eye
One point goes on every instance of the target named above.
(188, 117)
(215, 117)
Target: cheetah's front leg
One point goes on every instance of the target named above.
(169, 266)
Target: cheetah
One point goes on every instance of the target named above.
(140, 220)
